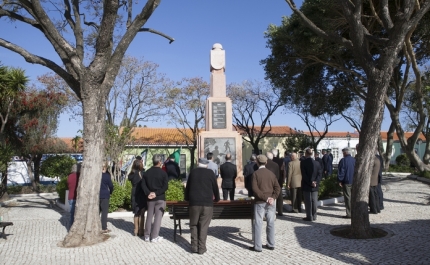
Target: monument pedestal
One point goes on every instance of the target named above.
(219, 137)
(220, 143)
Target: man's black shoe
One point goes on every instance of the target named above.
(307, 219)
(280, 214)
(269, 248)
(253, 249)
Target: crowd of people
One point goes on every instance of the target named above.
(264, 176)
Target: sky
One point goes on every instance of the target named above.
(239, 25)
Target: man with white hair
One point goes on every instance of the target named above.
(266, 189)
(345, 176)
(201, 191)
(272, 166)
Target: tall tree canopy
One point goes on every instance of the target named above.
(90, 38)
(358, 44)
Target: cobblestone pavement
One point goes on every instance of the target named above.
(39, 226)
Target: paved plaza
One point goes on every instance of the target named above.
(39, 226)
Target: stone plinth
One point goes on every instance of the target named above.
(219, 137)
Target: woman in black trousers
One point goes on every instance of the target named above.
(138, 201)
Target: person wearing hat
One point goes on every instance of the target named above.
(345, 174)
(201, 191)
(266, 189)
(172, 168)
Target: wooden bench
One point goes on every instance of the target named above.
(239, 209)
(4, 225)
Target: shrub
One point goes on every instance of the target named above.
(401, 169)
(57, 166)
(127, 198)
(175, 191)
(403, 160)
(14, 189)
(61, 189)
(117, 197)
(329, 186)
(424, 174)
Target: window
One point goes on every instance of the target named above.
(335, 153)
(183, 164)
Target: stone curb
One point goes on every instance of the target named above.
(421, 179)
(32, 195)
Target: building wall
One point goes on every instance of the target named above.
(130, 152)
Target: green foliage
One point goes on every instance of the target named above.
(117, 197)
(175, 191)
(61, 189)
(329, 186)
(296, 142)
(403, 160)
(14, 189)
(401, 169)
(57, 166)
(127, 198)
(424, 174)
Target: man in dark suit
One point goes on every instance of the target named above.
(228, 172)
(327, 162)
(311, 177)
(172, 168)
(248, 170)
(319, 159)
(272, 166)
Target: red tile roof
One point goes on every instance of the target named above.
(172, 136)
(159, 136)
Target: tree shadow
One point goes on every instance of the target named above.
(390, 249)
(403, 202)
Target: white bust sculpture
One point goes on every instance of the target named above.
(217, 57)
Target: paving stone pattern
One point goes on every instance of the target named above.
(39, 227)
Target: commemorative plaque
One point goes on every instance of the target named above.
(219, 115)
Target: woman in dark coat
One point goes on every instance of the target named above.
(138, 200)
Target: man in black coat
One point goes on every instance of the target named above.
(200, 192)
(327, 162)
(228, 172)
(319, 159)
(172, 168)
(248, 170)
(311, 177)
(274, 167)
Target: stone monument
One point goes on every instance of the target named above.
(219, 136)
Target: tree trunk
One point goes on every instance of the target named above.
(370, 130)
(389, 147)
(36, 172)
(192, 157)
(31, 175)
(3, 190)
(86, 229)
(407, 145)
